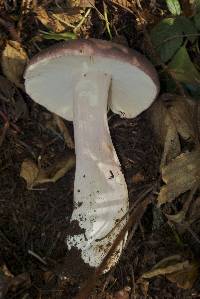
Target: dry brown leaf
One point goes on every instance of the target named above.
(122, 3)
(29, 172)
(183, 273)
(172, 116)
(64, 130)
(57, 22)
(14, 59)
(34, 175)
(182, 111)
(56, 171)
(81, 3)
(180, 175)
(167, 265)
(165, 130)
(186, 277)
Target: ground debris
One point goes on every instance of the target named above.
(57, 21)
(173, 116)
(13, 61)
(34, 175)
(176, 269)
(180, 175)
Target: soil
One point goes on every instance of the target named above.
(33, 223)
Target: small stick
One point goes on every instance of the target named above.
(37, 257)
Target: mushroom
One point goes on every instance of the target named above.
(79, 80)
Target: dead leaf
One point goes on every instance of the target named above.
(182, 272)
(29, 172)
(56, 171)
(81, 3)
(185, 278)
(14, 59)
(180, 175)
(165, 130)
(182, 111)
(176, 218)
(57, 22)
(33, 175)
(122, 3)
(64, 130)
(167, 265)
(172, 116)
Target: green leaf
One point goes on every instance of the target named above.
(183, 68)
(166, 37)
(174, 7)
(58, 36)
(197, 21)
(187, 27)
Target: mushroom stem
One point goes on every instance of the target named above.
(100, 191)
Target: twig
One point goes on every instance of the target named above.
(82, 20)
(106, 19)
(35, 255)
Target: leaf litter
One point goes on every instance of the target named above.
(34, 175)
(13, 62)
(176, 269)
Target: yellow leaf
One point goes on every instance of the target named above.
(14, 59)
